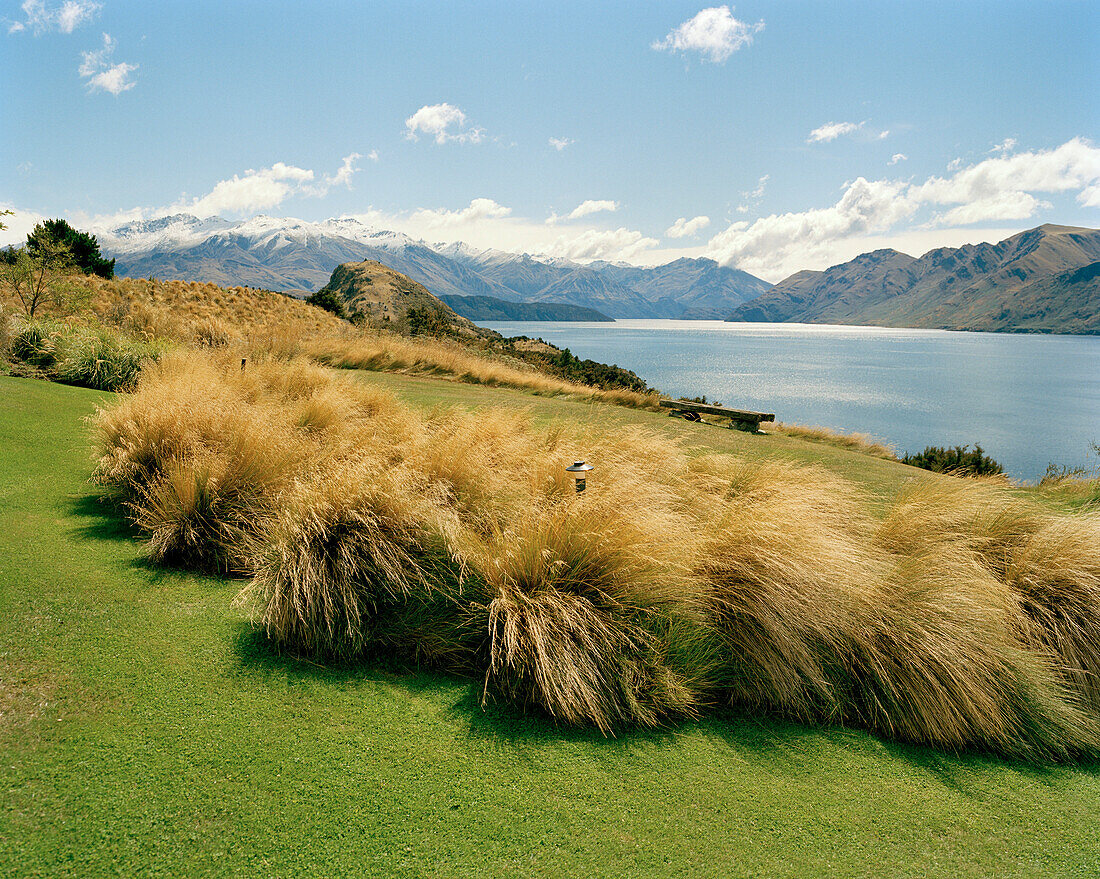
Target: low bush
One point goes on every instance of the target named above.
(35, 342)
(330, 302)
(103, 359)
(956, 461)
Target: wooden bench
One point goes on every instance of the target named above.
(739, 419)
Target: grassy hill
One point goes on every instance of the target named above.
(146, 729)
(386, 297)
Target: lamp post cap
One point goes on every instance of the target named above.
(579, 466)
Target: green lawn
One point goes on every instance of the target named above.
(145, 730)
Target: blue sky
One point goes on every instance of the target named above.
(782, 135)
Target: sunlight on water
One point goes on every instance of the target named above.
(1028, 399)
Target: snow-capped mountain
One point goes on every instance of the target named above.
(298, 257)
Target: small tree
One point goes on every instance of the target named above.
(82, 247)
(329, 301)
(425, 321)
(39, 278)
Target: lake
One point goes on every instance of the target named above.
(1029, 400)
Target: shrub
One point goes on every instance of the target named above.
(957, 461)
(329, 301)
(82, 247)
(104, 359)
(35, 342)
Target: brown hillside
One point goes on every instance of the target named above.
(386, 297)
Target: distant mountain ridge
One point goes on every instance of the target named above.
(481, 308)
(299, 257)
(1043, 280)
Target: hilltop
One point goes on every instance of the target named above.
(1044, 280)
(389, 299)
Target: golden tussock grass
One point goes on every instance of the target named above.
(855, 442)
(387, 352)
(964, 617)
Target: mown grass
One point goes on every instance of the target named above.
(146, 730)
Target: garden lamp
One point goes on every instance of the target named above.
(579, 469)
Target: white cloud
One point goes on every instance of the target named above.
(684, 227)
(101, 74)
(758, 193)
(560, 143)
(584, 209)
(832, 130)
(885, 133)
(478, 209)
(444, 122)
(373, 155)
(592, 244)
(779, 242)
(243, 194)
(1007, 187)
(713, 32)
(343, 176)
(752, 196)
(252, 191)
(897, 157)
(592, 206)
(1003, 187)
(1005, 146)
(42, 17)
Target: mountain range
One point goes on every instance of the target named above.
(1043, 280)
(299, 257)
(1046, 279)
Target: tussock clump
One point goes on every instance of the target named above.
(791, 580)
(211, 332)
(574, 631)
(1055, 573)
(352, 563)
(944, 664)
(1050, 562)
(35, 342)
(854, 442)
(104, 359)
(206, 513)
(819, 622)
(199, 455)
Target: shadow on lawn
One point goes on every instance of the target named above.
(782, 746)
(101, 518)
